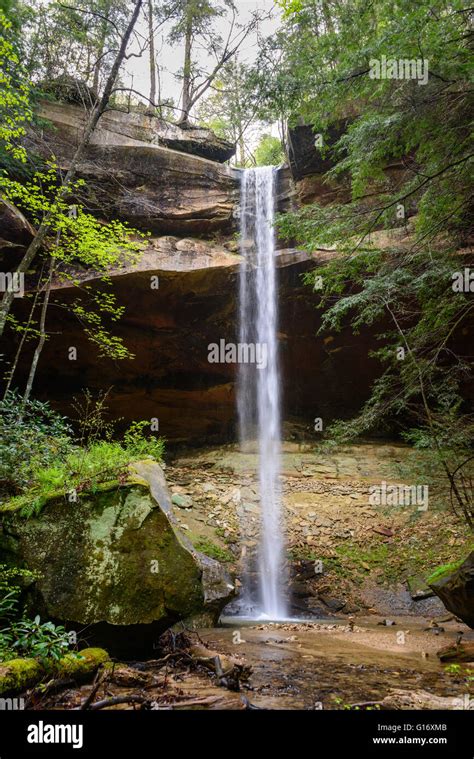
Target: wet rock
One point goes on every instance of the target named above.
(418, 588)
(118, 563)
(300, 590)
(454, 585)
(334, 604)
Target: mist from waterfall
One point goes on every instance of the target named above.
(258, 397)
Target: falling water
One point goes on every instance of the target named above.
(258, 387)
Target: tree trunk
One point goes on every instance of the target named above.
(94, 117)
(151, 36)
(100, 53)
(42, 337)
(13, 368)
(186, 96)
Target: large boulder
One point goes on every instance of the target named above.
(116, 563)
(454, 584)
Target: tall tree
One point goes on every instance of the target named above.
(76, 39)
(96, 112)
(228, 109)
(193, 25)
(405, 161)
(152, 60)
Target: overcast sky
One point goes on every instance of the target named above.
(170, 58)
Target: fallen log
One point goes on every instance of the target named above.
(17, 675)
(420, 699)
(228, 670)
(115, 700)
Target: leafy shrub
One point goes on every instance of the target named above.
(269, 151)
(87, 469)
(138, 444)
(31, 637)
(12, 579)
(32, 436)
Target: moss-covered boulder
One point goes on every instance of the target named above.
(454, 584)
(116, 562)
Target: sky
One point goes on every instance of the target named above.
(170, 57)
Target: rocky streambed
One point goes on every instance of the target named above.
(345, 555)
(165, 549)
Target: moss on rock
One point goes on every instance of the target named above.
(117, 557)
(443, 571)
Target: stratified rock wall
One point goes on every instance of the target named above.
(157, 177)
(191, 206)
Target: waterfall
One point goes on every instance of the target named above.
(258, 396)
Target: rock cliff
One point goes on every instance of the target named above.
(190, 205)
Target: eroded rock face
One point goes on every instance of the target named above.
(131, 172)
(120, 128)
(117, 562)
(456, 590)
(169, 330)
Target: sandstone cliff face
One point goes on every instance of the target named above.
(133, 170)
(169, 329)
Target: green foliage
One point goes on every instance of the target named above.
(15, 110)
(269, 151)
(138, 444)
(32, 436)
(41, 459)
(71, 40)
(12, 581)
(212, 550)
(31, 637)
(318, 69)
(77, 241)
(68, 469)
(85, 470)
(227, 108)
